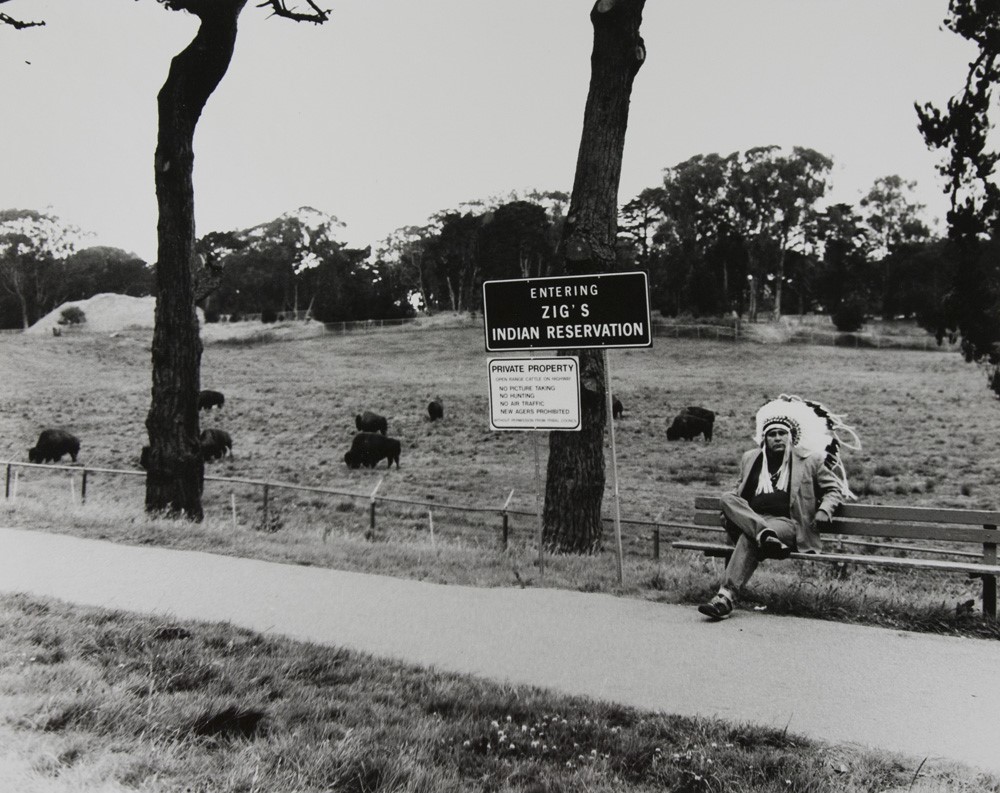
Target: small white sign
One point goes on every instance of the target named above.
(535, 393)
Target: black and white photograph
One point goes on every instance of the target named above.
(540, 396)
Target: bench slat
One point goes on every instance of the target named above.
(715, 549)
(966, 517)
(971, 534)
(891, 546)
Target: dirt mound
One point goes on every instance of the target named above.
(104, 313)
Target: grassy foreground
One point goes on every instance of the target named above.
(113, 699)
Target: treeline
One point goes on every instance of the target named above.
(745, 234)
(295, 263)
(41, 268)
(748, 233)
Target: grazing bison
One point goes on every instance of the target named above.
(705, 415)
(435, 410)
(215, 444)
(52, 445)
(209, 399)
(371, 422)
(689, 426)
(369, 448)
(617, 408)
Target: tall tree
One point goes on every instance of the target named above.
(694, 211)
(405, 252)
(97, 269)
(456, 250)
(775, 194)
(845, 279)
(515, 241)
(894, 219)
(574, 488)
(639, 218)
(175, 471)
(963, 131)
(32, 246)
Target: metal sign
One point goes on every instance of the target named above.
(568, 312)
(535, 393)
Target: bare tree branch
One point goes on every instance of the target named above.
(17, 24)
(280, 8)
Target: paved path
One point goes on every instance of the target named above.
(926, 696)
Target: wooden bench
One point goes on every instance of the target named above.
(920, 535)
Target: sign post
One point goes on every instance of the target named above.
(614, 469)
(604, 310)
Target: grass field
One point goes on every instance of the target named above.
(928, 424)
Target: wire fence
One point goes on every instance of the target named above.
(265, 505)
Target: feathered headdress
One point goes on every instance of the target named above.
(813, 429)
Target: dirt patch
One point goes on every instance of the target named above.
(104, 313)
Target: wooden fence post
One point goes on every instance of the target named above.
(6, 489)
(656, 534)
(371, 508)
(506, 519)
(83, 487)
(265, 526)
(990, 581)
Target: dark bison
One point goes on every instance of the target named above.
(215, 444)
(52, 445)
(435, 410)
(705, 413)
(209, 399)
(617, 408)
(371, 422)
(370, 448)
(144, 458)
(689, 426)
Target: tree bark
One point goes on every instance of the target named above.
(574, 488)
(176, 468)
(779, 281)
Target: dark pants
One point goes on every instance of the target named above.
(743, 525)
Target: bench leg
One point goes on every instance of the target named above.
(990, 595)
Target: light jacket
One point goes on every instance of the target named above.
(812, 487)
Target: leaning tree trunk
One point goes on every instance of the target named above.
(574, 487)
(175, 465)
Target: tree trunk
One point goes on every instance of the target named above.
(25, 320)
(176, 468)
(574, 488)
(778, 284)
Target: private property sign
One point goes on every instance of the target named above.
(568, 312)
(535, 393)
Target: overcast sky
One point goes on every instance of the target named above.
(396, 109)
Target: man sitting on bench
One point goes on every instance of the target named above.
(789, 487)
